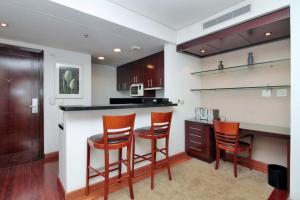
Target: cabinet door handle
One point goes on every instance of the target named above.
(195, 142)
(198, 129)
(196, 149)
(160, 82)
(148, 83)
(199, 136)
(136, 78)
(151, 82)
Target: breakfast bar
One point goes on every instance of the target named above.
(81, 122)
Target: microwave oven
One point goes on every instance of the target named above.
(137, 90)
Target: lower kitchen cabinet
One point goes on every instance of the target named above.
(200, 141)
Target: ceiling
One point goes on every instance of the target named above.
(46, 23)
(176, 14)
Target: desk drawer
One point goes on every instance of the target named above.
(199, 142)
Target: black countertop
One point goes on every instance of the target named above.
(113, 106)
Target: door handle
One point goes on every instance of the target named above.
(34, 105)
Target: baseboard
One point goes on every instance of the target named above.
(278, 195)
(96, 190)
(256, 165)
(51, 157)
(61, 188)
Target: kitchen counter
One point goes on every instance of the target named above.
(81, 122)
(113, 106)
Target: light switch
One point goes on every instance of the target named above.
(266, 93)
(281, 92)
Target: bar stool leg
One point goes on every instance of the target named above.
(167, 158)
(129, 173)
(235, 165)
(87, 185)
(152, 164)
(250, 152)
(133, 154)
(120, 165)
(106, 178)
(155, 146)
(218, 158)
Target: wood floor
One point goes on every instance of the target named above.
(31, 181)
(38, 181)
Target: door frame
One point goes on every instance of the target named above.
(41, 90)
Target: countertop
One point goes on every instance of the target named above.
(276, 131)
(112, 106)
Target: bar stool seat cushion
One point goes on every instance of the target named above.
(144, 132)
(99, 139)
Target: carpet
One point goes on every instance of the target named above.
(195, 179)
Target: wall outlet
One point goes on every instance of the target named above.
(266, 93)
(281, 92)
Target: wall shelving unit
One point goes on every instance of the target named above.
(273, 63)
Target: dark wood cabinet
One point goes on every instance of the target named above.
(123, 78)
(154, 71)
(148, 70)
(200, 141)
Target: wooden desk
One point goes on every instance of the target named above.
(245, 128)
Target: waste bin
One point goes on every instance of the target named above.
(277, 176)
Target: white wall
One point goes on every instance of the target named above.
(249, 105)
(259, 8)
(104, 83)
(52, 115)
(295, 99)
(178, 83)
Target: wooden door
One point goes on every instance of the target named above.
(20, 129)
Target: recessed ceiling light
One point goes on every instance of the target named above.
(117, 50)
(268, 33)
(202, 51)
(135, 48)
(3, 25)
(101, 58)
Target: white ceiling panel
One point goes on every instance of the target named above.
(176, 14)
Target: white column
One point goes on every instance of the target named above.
(295, 100)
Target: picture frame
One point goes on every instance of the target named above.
(68, 81)
(203, 114)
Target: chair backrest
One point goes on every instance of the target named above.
(118, 129)
(226, 134)
(161, 122)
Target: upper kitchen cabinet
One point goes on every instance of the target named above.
(148, 70)
(154, 71)
(123, 80)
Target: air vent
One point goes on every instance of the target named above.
(228, 16)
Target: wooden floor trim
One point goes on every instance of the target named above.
(278, 195)
(61, 188)
(96, 190)
(50, 157)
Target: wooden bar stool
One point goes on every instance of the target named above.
(118, 133)
(160, 129)
(227, 139)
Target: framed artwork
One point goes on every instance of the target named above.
(68, 81)
(203, 114)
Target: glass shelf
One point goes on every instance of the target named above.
(244, 67)
(243, 88)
